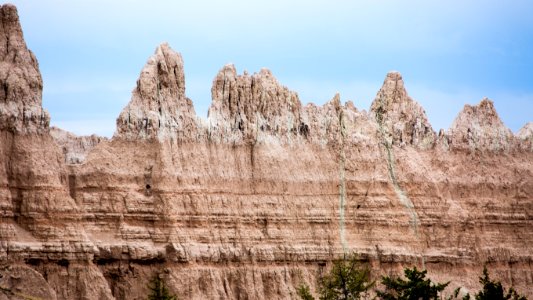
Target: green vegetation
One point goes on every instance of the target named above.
(348, 280)
(159, 291)
(416, 287)
(493, 290)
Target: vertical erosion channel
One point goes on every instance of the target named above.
(402, 196)
(342, 183)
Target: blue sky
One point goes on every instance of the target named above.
(449, 52)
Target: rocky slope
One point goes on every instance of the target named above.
(257, 199)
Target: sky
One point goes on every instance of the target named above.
(450, 53)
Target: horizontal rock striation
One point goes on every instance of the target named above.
(258, 198)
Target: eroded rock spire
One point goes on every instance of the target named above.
(20, 80)
(252, 107)
(526, 132)
(479, 127)
(159, 108)
(401, 119)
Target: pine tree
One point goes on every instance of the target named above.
(346, 280)
(159, 291)
(416, 287)
(493, 290)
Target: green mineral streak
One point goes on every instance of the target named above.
(402, 196)
(342, 184)
(404, 200)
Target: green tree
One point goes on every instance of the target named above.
(493, 290)
(416, 287)
(305, 293)
(346, 280)
(159, 291)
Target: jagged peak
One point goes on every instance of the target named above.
(350, 105)
(266, 72)
(483, 114)
(229, 69)
(14, 48)
(158, 107)
(480, 127)
(483, 110)
(162, 73)
(335, 101)
(248, 106)
(526, 131)
(394, 76)
(21, 96)
(401, 119)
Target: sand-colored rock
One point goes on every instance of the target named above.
(479, 127)
(75, 148)
(159, 108)
(252, 108)
(402, 121)
(526, 132)
(21, 91)
(261, 196)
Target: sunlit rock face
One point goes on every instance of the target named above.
(402, 121)
(75, 148)
(480, 127)
(257, 199)
(22, 85)
(158, 109)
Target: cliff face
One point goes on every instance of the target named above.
(260, 197)
(21, 91)
(39, 220)
(75, 148)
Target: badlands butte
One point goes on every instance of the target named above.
(258, 198)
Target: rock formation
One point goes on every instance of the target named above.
(525, 137)
(40, 229)
(75, 148)
(480, 127)
(259, 198)
(158, 107)
(253, 107)
(21, 90)
(526, 131)
(401, 120)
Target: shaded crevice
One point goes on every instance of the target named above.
(72, 186)
(252, 164)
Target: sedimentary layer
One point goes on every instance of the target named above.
(257, 199)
